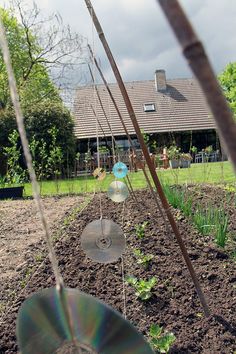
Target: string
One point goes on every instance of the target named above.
(113, 142)
(28, 157)
(95, 113)
(123, 268)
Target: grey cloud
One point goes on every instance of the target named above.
(141, 39)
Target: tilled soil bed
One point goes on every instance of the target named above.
(174, 304)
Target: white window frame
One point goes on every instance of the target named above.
(149, 107)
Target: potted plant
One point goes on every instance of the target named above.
(185, 160)
(173, 154)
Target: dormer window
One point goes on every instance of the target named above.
(149, 107)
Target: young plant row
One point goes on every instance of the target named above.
(208, 220)
(160, 340)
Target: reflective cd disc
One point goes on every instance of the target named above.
(99, 173)
(95, 328)
(103, 241)
(120, 170)
(118, 191)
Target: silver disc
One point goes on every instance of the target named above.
(103, 241)
(118, 191)
(92, 327)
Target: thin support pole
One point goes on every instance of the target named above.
(131, 190)
(148, 159)
(101, 104)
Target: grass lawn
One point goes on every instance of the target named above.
(214, 172)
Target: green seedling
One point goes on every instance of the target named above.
(222, 231)
(160, 342)
(143, 287)
(140, 229)
(39, 257)
(143, 259)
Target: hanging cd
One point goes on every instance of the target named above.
(89, 326)
(120, 170)
(103, 241)
(118, 191)
(99, 173)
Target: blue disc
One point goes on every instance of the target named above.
(46, 324)
(120, 170)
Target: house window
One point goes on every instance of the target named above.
(149, 107)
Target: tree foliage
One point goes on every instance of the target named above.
(38, 47)
(228, 82)
(32, 77)
(56, 47)
(7, 126)
(50, 116)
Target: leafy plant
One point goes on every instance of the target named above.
(55, 157)
(146, 137)
(140, 229)
(103, 149)
(227, 80)
(143, 287)
(185, 156)
(143, 259)
(173, 152)
(193, 149)
(209, 149)
(87, 157)
(2, 181)
(15, 173)
(38, 148)
(160, 342)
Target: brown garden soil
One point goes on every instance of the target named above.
(174, 304)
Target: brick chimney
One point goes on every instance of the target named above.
(160, 80)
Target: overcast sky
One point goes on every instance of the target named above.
(140, 38)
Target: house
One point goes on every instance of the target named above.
(168, 110)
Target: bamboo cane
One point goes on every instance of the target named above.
(148, 159)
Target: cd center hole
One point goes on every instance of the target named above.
(103, 242)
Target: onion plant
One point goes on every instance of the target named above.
(208, 220)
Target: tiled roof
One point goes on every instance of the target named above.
(182, 107)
